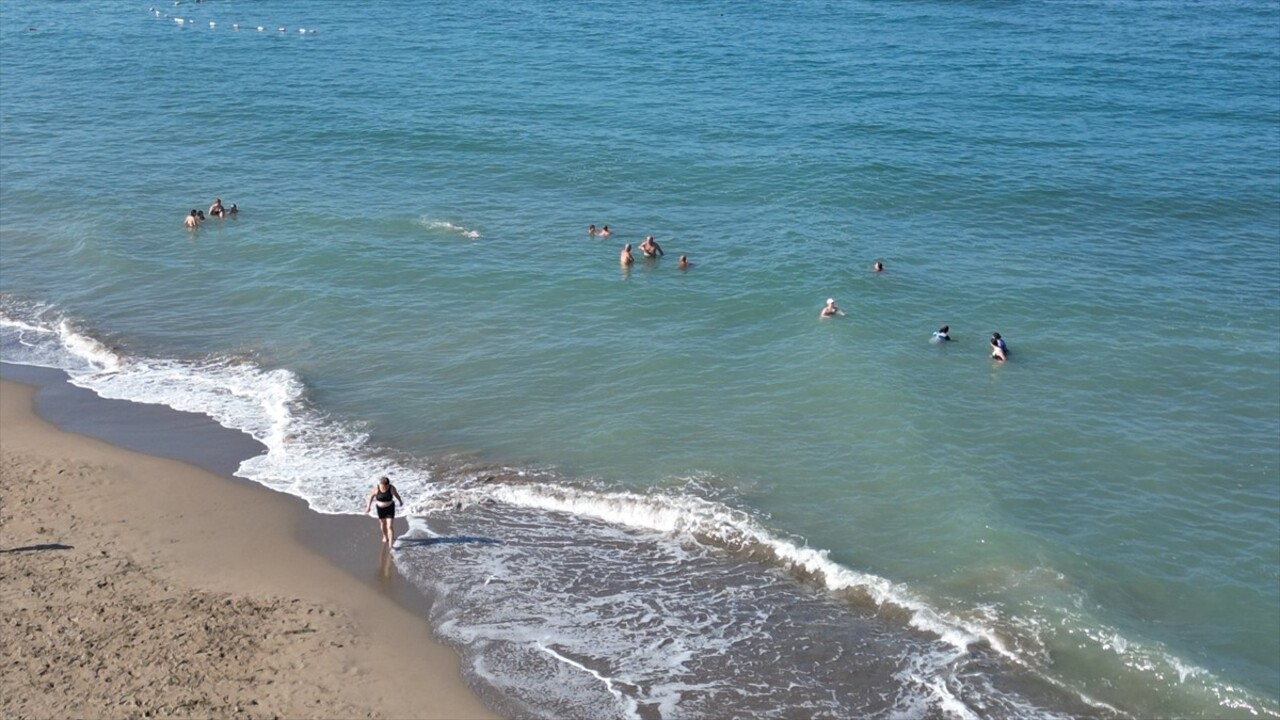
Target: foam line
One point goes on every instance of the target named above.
(630, 705)
(703, 520)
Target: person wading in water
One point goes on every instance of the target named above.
(386, 497)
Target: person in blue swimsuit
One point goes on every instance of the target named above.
(386, 497)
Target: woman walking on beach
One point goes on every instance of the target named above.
(382, 494)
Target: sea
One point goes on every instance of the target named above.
(649, 491)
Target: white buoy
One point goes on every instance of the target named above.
(179, 20)
(302, 30)
(281, 28)
(259, 28)
(213, 24)
(235, 26)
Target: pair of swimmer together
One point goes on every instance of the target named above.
(649, 247)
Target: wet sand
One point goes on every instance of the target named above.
(141, 586)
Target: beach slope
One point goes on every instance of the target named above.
(135, 586)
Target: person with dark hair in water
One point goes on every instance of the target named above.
(999, 350)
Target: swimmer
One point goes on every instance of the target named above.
(651, 248)
(684, 262)
(999, 350)
(625, 257)
(591, 229)
(830, 309)
(942, 334)
(878, 266)
(191, 221)
(200, 215)
(216, 210)
(233, 210)
(605, 231)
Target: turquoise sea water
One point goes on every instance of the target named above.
(691, 471)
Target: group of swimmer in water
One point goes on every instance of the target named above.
(196, 217)
(651, 250)
(384, 495)
(649, 247)
(999, 349)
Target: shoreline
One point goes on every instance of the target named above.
(141, 585)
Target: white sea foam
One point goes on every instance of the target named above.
(95, 354)
(29, 337)
(628, 704)
(697, 519)
(448, 227)
(323, 461)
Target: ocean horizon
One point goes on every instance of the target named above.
(691, 495)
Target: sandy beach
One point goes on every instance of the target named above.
(138, 586)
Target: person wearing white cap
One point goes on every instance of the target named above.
(830, 309)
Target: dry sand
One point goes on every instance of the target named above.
(134, 586)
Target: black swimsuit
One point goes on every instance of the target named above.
(388, 510)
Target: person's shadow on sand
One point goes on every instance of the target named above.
(450, 540)
(35, 548)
